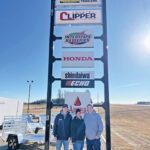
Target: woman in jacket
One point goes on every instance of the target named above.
(78, 131)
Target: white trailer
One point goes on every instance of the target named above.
(10, 107)
(18, 130)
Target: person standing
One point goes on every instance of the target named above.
(78, 131)
(62, 128)
(94, 128)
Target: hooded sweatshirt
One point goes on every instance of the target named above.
(94, 125)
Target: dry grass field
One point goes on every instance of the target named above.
(130, 126)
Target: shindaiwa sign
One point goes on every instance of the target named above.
(77, 79)
(78, 2)
(78, 38)
(64, 17)
(84, 75)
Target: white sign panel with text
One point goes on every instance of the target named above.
(84, 75)
(78, 2)
(77, 39)
(78, 17)
(77, 59)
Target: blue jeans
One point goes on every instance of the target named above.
(59, 144)
(93, 144)
(78, 145)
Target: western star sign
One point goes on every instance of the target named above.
(78, 38)
(79, 17)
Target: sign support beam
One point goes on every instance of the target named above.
(50, 78)
(106, 83)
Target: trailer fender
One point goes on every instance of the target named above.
(20, 138)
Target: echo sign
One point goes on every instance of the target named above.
(79, 17)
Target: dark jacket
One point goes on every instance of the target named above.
(62, 126)
(77, 129)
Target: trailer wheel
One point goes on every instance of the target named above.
(12, 143)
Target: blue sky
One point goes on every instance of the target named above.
(24, 41)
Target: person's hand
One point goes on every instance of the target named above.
(69, 139)
(97, 137)
(55, 138)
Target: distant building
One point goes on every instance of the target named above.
(143, 103)
(54, 101)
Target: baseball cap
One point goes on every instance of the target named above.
(65, 105)
(90, 105)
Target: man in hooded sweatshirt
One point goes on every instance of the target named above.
(94, 128)
(62, 128)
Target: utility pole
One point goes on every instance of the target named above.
(30, 83)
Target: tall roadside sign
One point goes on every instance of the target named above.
(75, 56)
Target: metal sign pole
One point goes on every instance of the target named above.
(50, 77)
(106, 83)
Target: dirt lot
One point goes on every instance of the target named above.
(130, 127)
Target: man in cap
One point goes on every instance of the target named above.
(94, 128)
(62, 128)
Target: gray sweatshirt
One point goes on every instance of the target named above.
(94, 125)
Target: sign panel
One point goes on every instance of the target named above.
(84, 75)
(78, 17)
(78, 2)
(77, 59)
(77, 100)
(77, 39)
(77, 83)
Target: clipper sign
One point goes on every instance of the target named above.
(78, 17)
(78, 39)
(77, 59)
(78, 2)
